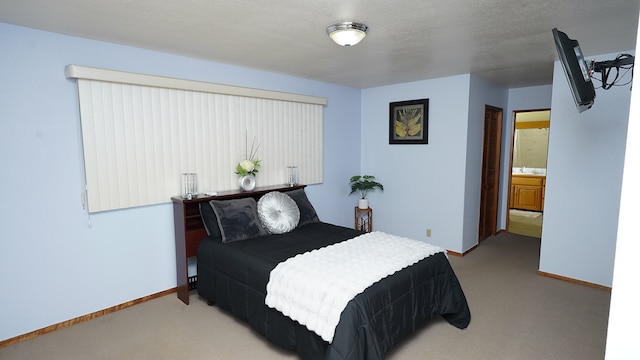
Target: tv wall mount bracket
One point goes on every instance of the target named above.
(622, 61)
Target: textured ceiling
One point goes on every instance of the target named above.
(508, 42)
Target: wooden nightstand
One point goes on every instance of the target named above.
(363, 219)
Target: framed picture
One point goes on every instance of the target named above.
(409, 122)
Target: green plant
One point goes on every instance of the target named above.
(364, 184)
(251, 165)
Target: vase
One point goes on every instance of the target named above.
(363, 203)
(189, 185)
(247, 182)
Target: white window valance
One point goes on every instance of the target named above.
(140, 132)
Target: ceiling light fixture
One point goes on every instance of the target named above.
(347, 33)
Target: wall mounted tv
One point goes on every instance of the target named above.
(579, 72)
(576, 69)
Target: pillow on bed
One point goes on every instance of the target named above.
(278, 212)
(209, 220)
(238, 219)
(307, 212)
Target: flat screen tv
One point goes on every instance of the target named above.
(576, 69)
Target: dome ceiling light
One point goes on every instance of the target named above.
(347, 33)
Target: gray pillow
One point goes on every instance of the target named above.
(238, 219)
(210, 221)
(307, 212)
(278, 213)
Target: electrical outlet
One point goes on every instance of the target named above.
(428, 232)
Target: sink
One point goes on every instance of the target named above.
(529, 171)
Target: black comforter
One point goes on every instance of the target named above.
(235, 275)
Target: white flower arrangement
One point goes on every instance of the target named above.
(251, 165)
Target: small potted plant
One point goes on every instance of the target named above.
(363, 184)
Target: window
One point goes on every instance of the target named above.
(141, 132)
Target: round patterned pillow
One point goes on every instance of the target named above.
(278, 212)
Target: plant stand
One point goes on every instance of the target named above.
(363, 219)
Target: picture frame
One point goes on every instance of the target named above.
(409, 122)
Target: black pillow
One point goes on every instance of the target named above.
(238, 219)
(307, 212)
(210, 220)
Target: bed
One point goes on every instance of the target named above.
(236, 258)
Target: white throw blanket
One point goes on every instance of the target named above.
(314, 288)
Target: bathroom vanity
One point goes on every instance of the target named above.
(527, 192)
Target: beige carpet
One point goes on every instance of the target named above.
(527, 223)
(516, 314)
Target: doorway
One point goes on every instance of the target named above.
(527, 183)
(490, 182)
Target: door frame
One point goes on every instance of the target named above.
(510, 168)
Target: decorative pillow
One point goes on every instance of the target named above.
(307, 212)
(210, 220)
(278, 213)
(238, 219)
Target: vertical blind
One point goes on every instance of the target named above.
(139, 139)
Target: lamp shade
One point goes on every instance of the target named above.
(347, 33)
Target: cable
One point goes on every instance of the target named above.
(622, 61)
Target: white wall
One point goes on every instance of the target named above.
(623, 317)
(53, 266)
(584, 176)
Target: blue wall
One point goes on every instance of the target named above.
(584, 181)
(53, 263)
(434, 186)
(482, 93)
(424, 184)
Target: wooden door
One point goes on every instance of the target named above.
(490, 172)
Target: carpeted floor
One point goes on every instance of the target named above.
(516, 315)
(527, 223)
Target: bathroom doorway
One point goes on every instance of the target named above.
(527, 182)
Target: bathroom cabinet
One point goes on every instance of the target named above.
(527, 192)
